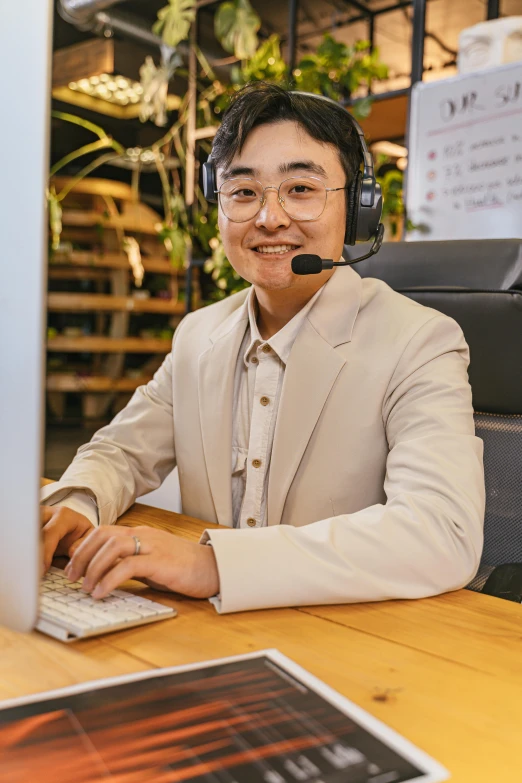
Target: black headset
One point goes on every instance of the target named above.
(364, 201)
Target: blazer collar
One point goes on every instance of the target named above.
(311, 372)
(216, 375)
(333, 316)
(235, 318)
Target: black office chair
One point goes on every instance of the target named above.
(479, 284)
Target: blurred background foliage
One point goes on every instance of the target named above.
(335, 69)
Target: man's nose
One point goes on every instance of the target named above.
(272, 215)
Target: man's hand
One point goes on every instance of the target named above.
(63, 531)
(106, 559)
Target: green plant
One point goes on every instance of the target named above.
(54, 199)
(266, 64)
(174, 21)
(393, 211)
(393, 205)
(338, 70)
(236, 25)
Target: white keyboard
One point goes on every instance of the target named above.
(67, 613)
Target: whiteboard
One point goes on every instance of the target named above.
(464, 178)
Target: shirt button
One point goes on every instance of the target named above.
(251, 522)
(256, 463)
(266, 349)
(264, 401)
(254, 360)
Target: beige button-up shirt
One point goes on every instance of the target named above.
(258, 382)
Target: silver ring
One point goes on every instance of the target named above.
(137, 545)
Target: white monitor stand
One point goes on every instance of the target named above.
(25, 94)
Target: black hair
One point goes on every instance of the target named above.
(261, 103)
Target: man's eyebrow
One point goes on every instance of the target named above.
(240, 171)
(303, 165)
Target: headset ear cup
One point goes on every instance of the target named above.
(352, 209)
(209, 181)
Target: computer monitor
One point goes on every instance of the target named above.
(25, 58)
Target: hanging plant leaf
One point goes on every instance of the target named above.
(174, 21)
(236, 25)
(55, 217)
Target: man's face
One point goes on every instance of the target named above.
(271, 154)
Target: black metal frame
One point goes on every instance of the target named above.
(365, 13)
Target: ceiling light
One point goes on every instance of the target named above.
(100, 75)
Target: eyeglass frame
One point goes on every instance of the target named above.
(273, 187)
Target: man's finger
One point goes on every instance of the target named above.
(46, 513)
(77, 566)
(114, 549)
(51, 538)
(138, 567)
(74, 546)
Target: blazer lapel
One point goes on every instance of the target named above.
(216, 390)
(312, 369)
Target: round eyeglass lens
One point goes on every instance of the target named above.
(241, 198)
(303, 198)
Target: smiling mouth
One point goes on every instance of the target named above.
(275, 250)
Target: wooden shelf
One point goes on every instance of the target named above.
(64, 382)
(101, 344)
(80, 258)
(387, 119)
(93, 186)
(77, 273)
(91, 219)
(59, 302)
(96, 215)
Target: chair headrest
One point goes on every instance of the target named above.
(476, 265)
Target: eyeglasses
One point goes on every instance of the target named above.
(302, 198)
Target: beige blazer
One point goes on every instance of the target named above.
(376, 485)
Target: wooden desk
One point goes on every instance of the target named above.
(446, 672)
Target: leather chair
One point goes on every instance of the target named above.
(479, 284)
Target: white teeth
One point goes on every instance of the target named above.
(274, 248)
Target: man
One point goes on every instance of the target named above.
(324, 421)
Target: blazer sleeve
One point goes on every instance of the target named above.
(425, 540)
(130, 456)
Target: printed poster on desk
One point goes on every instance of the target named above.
(256, 718)
(464, 178)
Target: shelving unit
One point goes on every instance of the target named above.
(96, 346)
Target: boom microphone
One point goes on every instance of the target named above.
(310, 264)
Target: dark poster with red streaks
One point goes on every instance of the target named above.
(248, 720)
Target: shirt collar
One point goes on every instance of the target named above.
(281, 342)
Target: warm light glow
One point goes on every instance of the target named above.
(115, 89)
(390, 149)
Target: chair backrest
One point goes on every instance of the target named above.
(479, 284)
